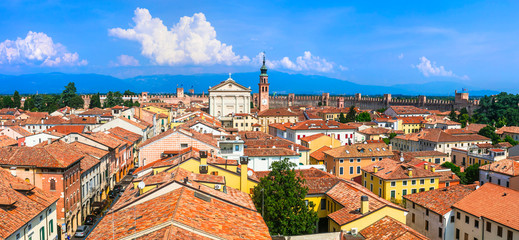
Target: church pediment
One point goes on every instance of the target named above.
(229, 85)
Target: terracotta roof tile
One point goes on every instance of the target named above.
(319, 125)
(388, 228)
(20, 130)
(348, 194)
(403, 110)
(475, 127)
(123, 133)
(506, 166)
(6, 141)
(319, 153)
(188, 132)
(25, 204)
(260, 152)
(276, 113)
(312, 137)
(360, 150)
(56, 155)
(441, 200)
(493, 202)
(390, 169)
(67, 129)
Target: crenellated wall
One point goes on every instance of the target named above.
(144, 97)
(373, 103)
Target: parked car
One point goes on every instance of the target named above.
(82, 231)
(90, 220)
(118, 188)
(112, 194)
(130, 172)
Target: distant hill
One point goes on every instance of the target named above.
(280, 83)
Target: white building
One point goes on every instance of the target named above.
(229, 97)
(434, 218)
(132, 126)
(261, 159)
(231, 147)
(499, 172)
(487, 213)
(26, 212)
(342, 132)
(33, 140)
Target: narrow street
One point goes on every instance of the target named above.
(124, 183)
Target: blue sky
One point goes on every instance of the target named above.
(377, 42)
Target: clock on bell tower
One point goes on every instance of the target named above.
(263, 88)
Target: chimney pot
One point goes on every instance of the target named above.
(364, 204)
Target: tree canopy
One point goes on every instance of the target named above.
(350, 117)
(501, 109)
(363, 117)
(70, 98)
(280, 195)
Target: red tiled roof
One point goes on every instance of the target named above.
(441, 200)
(312, 137)
(475, 127)
(438, 135)
(82, 120)
(7, 141)
(141, 125)
(319, 125)
(216, 217)
(20, 130)
(506, 166)
(105, 139)
(260, 152)
(412, 120)
(319, 153)
(125, 134)
(348, 194)
(508, 129)
(67, 129)
(56, 155)
(390, 169)
(360, 150)
(388, 228)
(87, 149)
(493, 202)
(26, 203)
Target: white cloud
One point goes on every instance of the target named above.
(125, 60)
(429, 68)
(307, 62)
(401, 56)
(37, 48)
(191, 41)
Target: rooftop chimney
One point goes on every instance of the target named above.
(203, 168)
(375, 169)
(410, 172)
(426, 166)
(433, 168)
(49, 141)
(364, 204)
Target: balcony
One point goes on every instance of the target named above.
(226, 151)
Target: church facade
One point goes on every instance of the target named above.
(229, 97)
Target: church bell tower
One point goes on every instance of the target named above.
(263, 88)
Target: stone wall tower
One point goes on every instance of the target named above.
(263, 88)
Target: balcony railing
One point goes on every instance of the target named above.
(226, 151)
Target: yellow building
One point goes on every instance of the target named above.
(240, 121)
(412, 124)
(346, 161)
(200, 162)
(344, 205)
(480, 155)
(319, 140)
(391, 179)
(281, 115)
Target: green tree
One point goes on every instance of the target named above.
(7, 102)
(452, 115)
(471, 174)
(381, 110)
(363, 117)
(350, 117)
(501, 122)
(17, 99)
(342, 118)
(113, 99)
(455, 169)
(511, 140)
(280, 198)
(492, 108)
(136, 104)
(70, 98)
(39, 103)
(95, 101)
(490, 132)
(29, 103)
(463, 119)
(128, 93)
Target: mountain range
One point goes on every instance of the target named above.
(280, 83)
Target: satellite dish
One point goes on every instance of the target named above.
(141, 185)
(401, 159)
(249, 173)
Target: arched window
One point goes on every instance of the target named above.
(52, 184)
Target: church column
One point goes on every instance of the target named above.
(236, 104)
